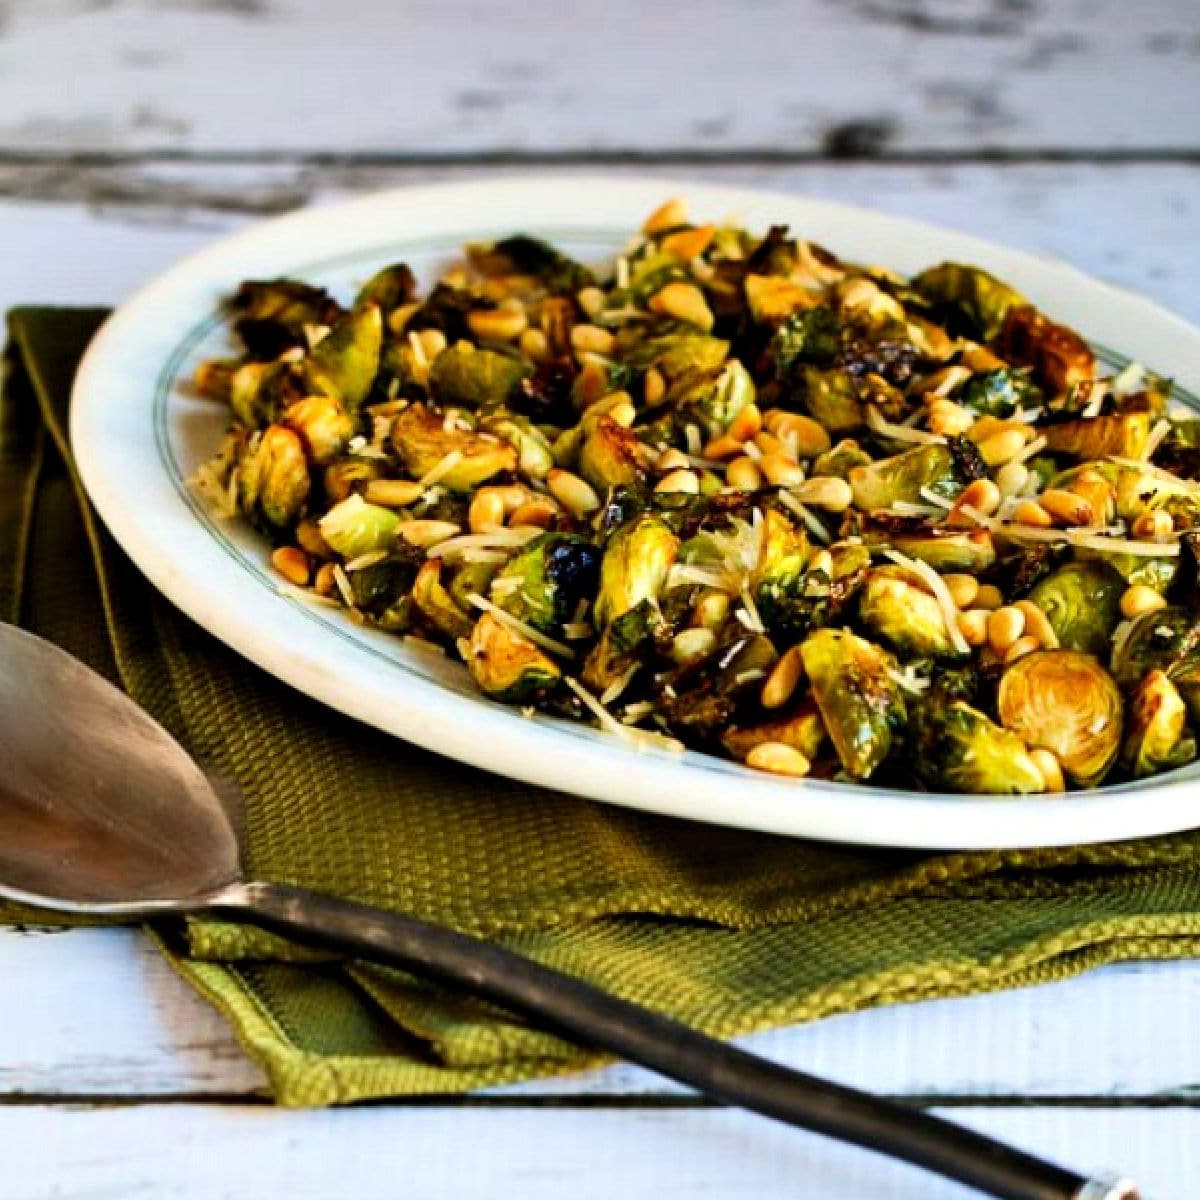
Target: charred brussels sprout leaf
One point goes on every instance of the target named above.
(437, 605)
(273, 481)
(1082, 602)
(477, 379)
(1060, 358)
(958, 748)
(422, 441)
(811, 336)
(389, 287)
(445, 309)
(354, 527)
(1168, 639)
(258, 393)
(1156, 737)
(543, 584)
(897, 609)
(999, 393)
(611, 456)
(841, 459)
(345, 362)
(791, 606)
(534, 455)
(634, 568)
(980, 301)
(1066, 702)
(525, 255)
(861, 704)
(902, 477)
(1124, 435)
(712, 401)
(674, 354)
(270, 316)
(508, 667)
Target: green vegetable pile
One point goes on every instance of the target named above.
(735, 493)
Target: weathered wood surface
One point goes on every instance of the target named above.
(429, 78)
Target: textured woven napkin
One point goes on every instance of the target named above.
(728, 931)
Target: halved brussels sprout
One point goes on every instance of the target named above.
(958, 748)
(1156, 737)
(782, 557)
(544, 583)
(636, 562)
(436, 604)
(839, 460)
(271, 314)
(811, 336)
(525, 255)
(467, 377)
(273, 479)
(829, 396)
(802, 729)
(712, 401)
(611, 456)
(980, 300)
(1123, 434)
(345, 362)
(896, 606)
(354, 527)
(902, 477)
(622, 644)
(673, 354)
(1168, 639)
(1064, 701)
(791, 606)
(535, 457)
(948, 550)
(861, 703)
(999, 393)
(1157, 573)
(258, 392)
(324, 426)
(508, 667)
(1082, 602)
(389, 287)
(422, 441)
(1060, 358)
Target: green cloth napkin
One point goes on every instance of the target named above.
(728, 931)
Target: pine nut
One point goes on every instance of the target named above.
(768, 443)
(711, 610)
(623, 412)
(1153, 526)
(857, 292)
(486, 511)
(654, 387)
(534, 344)
(807, 438)
(963, 589)
(393, 493)
(680, 481)
(972, 624)
(746, 424)
(591, 300)
(1030, 512)
(308, 534)
(825, 491)
(980, 358)
(591, 383)
(687, 244)
(1002, 447)
(667, 216)
(539, 512)
(778, 758)
(497, 324)
(1012, 478)
(1025, 644)
(428, 533)
(1037, 625)
(942, 382)
(1099, 493)
(685, 302)
(1048, 765)
(591, 339)
(1004, 626)
(673, 460)
(948, 418)
(1066, 508)
(399, 318)
(988, 597)
(821, 562)
(293, 564)
(576, 495)
(325, 583)
(724, 447)
(1140, 599)
(433, 342)
(784, 677)
(691, 644)
(982, 495)
(743, 474)
(780, 470)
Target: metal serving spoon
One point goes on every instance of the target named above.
(102, 812)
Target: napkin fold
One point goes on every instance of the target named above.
(726, 930)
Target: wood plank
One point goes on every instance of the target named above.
(188, 1153)
(1131, 225)
(1126, 1032)
(791, 76)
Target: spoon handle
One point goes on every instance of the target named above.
(587, 1015)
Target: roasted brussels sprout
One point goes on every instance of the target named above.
(772, 298)
(258, 393)
(830, 396)
(896, 607)
(839, 460)
(636, 562)
(477, 379)
(958, 748)
(354, 527)
(672, 354)
(961, 550)
(271, 316)
(611, 456)
(902, 477)
(861, 704)
(323, 425)
(980, 301)
(1168, 639)
(1060, 358)
(1156, 737)
(1124, 435)
(544, 583)
(1066, 702)
(802, 729)
(422, 441)
(999, 393)
(813, 335)
(508, 667)
(345, 362)
(712, 401)
(273, 481)
(1082, 602)
(525, 255)
(535, 458)
(436, 604)
(792, 605)
(389, 287)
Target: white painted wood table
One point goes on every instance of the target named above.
(130, 132)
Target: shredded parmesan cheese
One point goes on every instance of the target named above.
(343, 585)
(900, 433)
(1035, 447)
(1160, 431)
(941, 593)
(810, 520)
(441, 469)
(618, 685)
(640, 739)
(523, 628)
(366, 560)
